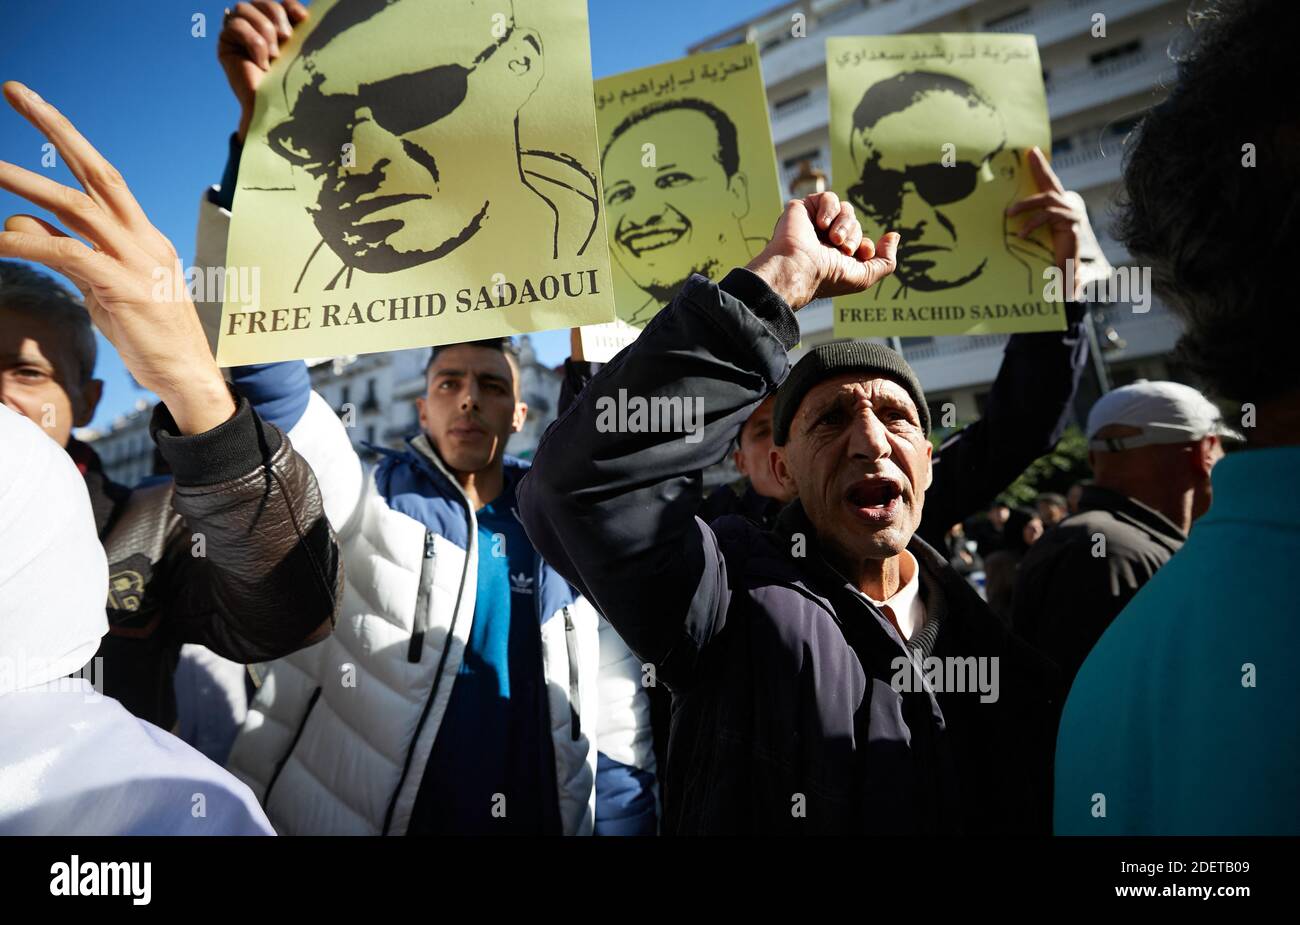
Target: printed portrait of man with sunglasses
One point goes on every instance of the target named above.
(404, 138)
(945, 208)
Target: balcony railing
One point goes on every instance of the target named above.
(1090, 151)
(796, 104)
(950, 346)
(784, 55)
(1095, 72)
(1025, 22)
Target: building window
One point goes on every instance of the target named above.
(842, 12)
(792, 163)
(1062, 145)
(1006, 18)
(793, 102)
(1112, 54)
(1123, 126)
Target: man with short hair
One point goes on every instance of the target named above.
(1029, 405)
(1052, 508)
(472, 688)
(757, 494)
(790, 653)
(1152, 446)
(987, 530)
(47, 353)
(232, 552)
(487, 696)
(1183, 716)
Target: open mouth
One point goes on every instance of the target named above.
(875, 498)
(638, 242)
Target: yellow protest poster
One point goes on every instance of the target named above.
(689, 180)
(929, 138)
(420, 173)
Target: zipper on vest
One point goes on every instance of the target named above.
(571, 644)
(472, 524)
(311, 705)
(422, 603)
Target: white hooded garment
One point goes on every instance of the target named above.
(72, 761)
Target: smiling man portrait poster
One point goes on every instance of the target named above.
(689, 180)
(929, 137)
(420, 173)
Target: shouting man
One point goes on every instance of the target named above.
(833, 674)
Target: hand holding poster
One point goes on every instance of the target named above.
(420, 173)
(689, 179)
(929, 135)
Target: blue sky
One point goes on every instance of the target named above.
(154, 101)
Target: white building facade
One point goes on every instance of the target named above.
(1098, 86)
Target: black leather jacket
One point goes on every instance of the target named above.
(233, 552)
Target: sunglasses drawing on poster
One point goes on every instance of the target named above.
(355, 141)
(930, 137)
(430, 152)
(936, 204)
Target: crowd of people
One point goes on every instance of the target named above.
(450, 641)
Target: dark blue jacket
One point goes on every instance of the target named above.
(787, 714)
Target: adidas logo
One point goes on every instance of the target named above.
(521, 583)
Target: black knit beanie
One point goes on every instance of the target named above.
(833, 359)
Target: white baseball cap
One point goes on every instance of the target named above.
(1164, 412)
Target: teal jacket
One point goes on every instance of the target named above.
(1182, 721)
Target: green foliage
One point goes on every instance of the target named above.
(1066, 464)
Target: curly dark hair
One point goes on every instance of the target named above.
(1218, 233)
